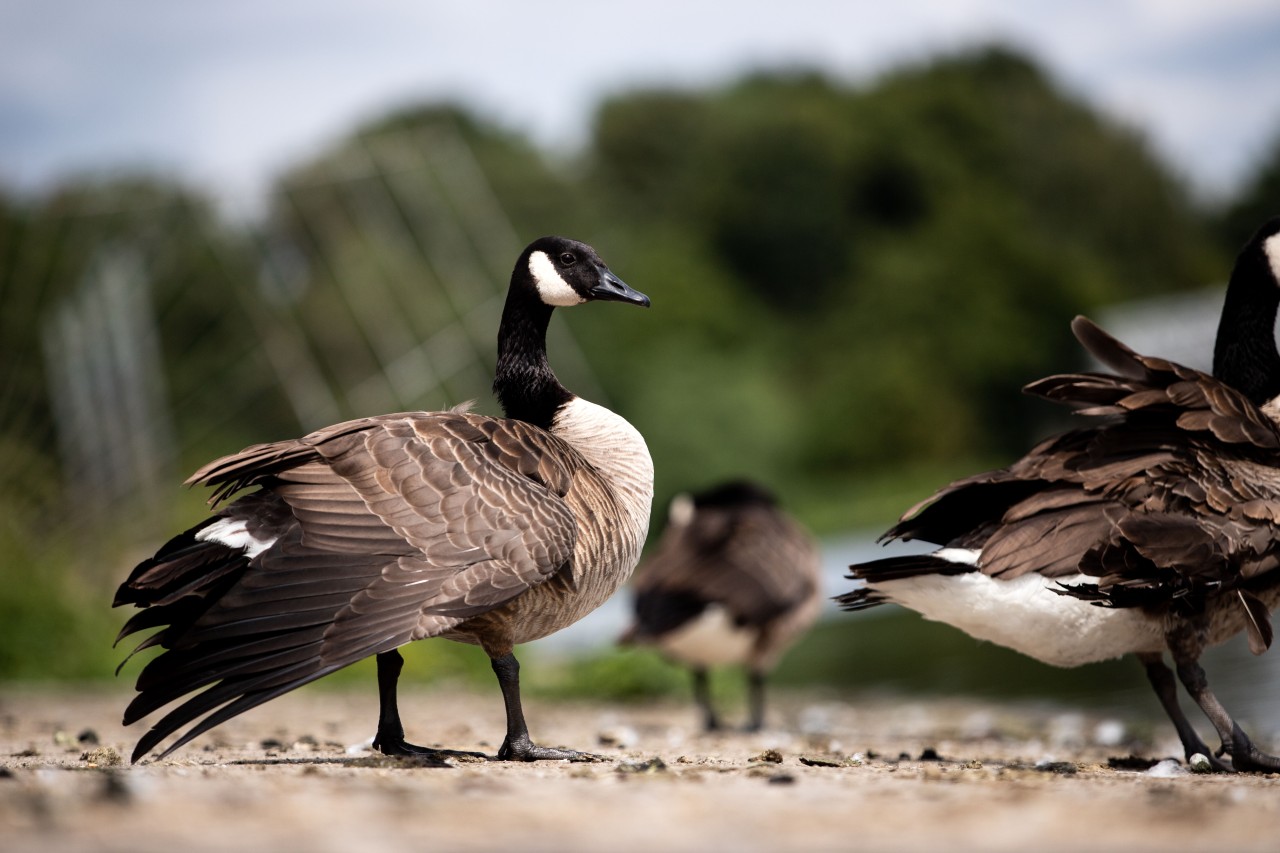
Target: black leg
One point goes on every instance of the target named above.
(390, 737)
(517, 746)
(1244, 755)
(702, 695)
(755, 687)
(1166, 688)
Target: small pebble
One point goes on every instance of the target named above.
(102, 756)
(1200, 764)
(653, 765)
(821, 761)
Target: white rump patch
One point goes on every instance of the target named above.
(552, 287)
(1026, 615)
(233, 533)
(711, 639)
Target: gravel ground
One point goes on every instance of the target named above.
(297, 774)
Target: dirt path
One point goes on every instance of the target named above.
(294, 775)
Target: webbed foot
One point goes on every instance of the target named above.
(526, 750)
(1247, 758)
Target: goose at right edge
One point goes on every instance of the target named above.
(1154, 530)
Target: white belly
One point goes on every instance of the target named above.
(1026, 615)
(711, 639)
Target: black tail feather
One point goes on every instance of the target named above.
(913, 565)
(225, 700)
(891, 569)
(863, 598)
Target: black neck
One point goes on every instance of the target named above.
(1244, 355)
(524, 383)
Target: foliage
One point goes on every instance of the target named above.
(616, 674)
(1258, 201)
(863, 278)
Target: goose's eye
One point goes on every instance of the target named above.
(568, 259)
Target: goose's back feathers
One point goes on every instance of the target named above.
(743, 568)
(453, 488)
(752, 560)
(1154, 389)
(1152, 531)
(364, 536)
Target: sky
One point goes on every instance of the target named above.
(227, 94)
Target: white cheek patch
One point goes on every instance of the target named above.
(1271, 247)
(553, 289)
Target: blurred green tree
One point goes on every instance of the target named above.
(889, 263)
(1257, 200)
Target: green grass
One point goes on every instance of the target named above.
(608, 674)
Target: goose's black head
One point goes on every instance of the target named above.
(552, 272)
(564, 272)
(1245, 354)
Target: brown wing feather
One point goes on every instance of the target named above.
(1173, 494)
(389, 529)
(754, 560)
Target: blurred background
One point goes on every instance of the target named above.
(863, 230)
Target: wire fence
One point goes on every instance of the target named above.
(155, 332)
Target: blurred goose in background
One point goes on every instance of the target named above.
(1154, 530)
(370, 534)
(733, 581)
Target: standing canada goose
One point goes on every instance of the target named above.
(734, 581)
(1153, 530)
(369, 534)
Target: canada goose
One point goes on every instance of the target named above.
(734, 581)
(1153, 530)
(368, 534)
